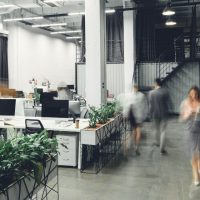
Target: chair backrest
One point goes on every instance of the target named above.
(19, 94)
(33, 126)
(84, 113)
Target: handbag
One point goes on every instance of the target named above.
(131, 117)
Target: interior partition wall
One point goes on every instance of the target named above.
(149, 71)
(114, 74)
(179, 83)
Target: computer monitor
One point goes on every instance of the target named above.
(71, 87)
(48, 96)
(74, 108)
(55, 108)
(7, 106)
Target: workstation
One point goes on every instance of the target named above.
(64, 64)
(54, 116)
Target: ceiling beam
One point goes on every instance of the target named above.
(173, 5)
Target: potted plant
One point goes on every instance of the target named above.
(111, 109)
(93, 115)
(24, 157)
(102, 114)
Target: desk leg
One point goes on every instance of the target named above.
(79, 151)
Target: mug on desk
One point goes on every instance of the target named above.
(77, 123)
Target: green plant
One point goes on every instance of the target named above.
(36, 96)
(25, 154)
(111, 109)
(102, 114)
(93, 114)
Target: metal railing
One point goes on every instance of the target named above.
(172, 57)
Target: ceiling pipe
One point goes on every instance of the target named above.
(133, 8)
(173, 5)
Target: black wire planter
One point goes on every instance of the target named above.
(101, 145)
(28, 188)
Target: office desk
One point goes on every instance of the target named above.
(49, 123)
(62, 125)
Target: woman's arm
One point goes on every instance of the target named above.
(185, 111)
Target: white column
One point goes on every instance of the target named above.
(95, 52)
(129, 49)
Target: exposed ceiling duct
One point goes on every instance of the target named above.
(5, 8)
(50, 4)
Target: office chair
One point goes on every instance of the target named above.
(19, 94)
(84, 113)
(33, 126)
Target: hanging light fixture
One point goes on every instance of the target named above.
(168, 11)
(170, 22)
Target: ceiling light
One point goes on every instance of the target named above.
(48, 25)
(110, 11)
(23, 19)
(170, 22)
(7, 6)
(73, 37)
(168, 12)
(63, 32)
(76, 13)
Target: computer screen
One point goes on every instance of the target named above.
(74, 108)
(48, 96)
(7, 106)
(71, 87)
(55, 108)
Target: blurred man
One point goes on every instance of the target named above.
(160, 105)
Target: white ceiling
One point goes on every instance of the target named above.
(26, 8)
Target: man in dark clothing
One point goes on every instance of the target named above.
(160, 105)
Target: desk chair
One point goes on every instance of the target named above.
(19, 94)
(33, 126)
(84, 113)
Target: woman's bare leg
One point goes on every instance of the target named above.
(137, 137)
(195, 168)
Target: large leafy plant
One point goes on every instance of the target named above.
(111, 109)
(25, 154)
(93, 114)
(101, 114)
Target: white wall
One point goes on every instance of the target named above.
(32, 54)
(115, 79)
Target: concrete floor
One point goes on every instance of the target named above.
(150, 176)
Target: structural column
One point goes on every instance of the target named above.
(95, 52)
(129, 49)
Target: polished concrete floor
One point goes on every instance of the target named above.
(149, 176)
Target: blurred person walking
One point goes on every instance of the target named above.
(160, 104)
(135, 109)
(190, 112)
(137, 114)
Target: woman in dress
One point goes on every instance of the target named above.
(137, 115)
(190, 112)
